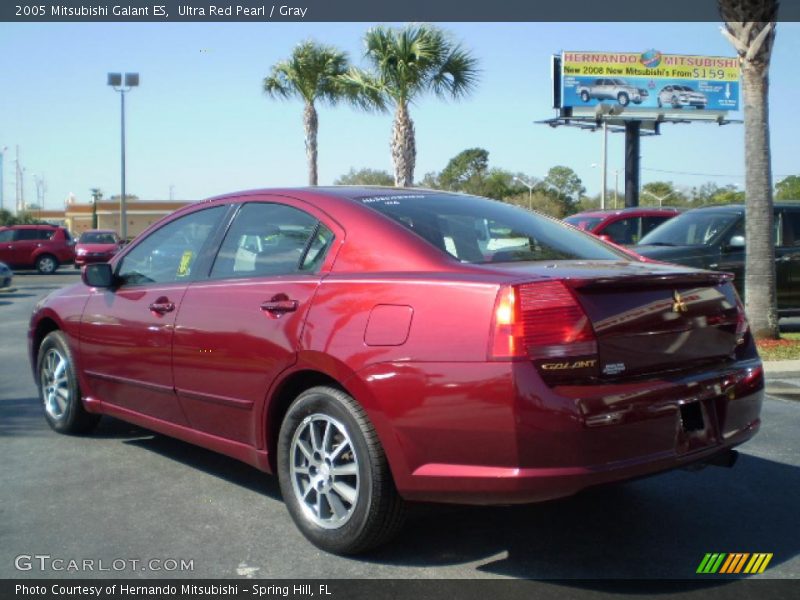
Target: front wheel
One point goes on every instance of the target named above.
(58, 387)
(46, 264)
(623, 99)
(334, 476)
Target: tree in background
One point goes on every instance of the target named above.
(407, 63)
(749, 25)
(312, 73)
(565, 184)
(788, 188)
(365, 177)
(466, 171)
(23, 218)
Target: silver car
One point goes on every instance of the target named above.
(6, 276)
(612, 89)
(679, 96)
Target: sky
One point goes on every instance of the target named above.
(199, 124)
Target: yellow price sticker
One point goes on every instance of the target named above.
(186, 263)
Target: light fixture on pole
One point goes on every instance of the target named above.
(530, 191)
(116, 81)
(659, 198)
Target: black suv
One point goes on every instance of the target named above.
(713, 238)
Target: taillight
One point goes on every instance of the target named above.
(507, 330)
(545, 323)
(555, 324)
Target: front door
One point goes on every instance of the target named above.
(239, 330)
(126, 332)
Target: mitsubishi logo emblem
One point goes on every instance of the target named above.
(678, 305)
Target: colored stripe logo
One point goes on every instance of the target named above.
(734, 563)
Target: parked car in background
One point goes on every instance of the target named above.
(6, 276)
(612, 89)
(96, 245)
(625, 226)
(373, 346)
(43, 247)
(678, 96)
(713, 238)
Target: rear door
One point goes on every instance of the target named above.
(237, 331)
(23, 246)
(126, 332)
(787, 257)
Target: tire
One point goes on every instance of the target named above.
(660, 104)
(675, 102)
(58, 388)
(584, 96)
(623, 99)
(46, 264)
(343, 513)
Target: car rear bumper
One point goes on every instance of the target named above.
(488, 433)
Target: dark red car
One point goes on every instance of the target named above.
(625, 226)
(43, 247)
(374, 346)
(96, 245)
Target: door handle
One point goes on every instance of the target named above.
(162, 306)
(279, 305)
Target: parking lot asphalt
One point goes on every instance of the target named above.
(128, 494)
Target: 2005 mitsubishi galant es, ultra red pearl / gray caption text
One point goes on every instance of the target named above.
(376, 346)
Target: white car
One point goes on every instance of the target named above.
(679, 96)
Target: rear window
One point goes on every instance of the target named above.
(585, 223)
(478, 230)
(691, 228)
(97, 237)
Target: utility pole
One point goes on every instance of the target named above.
(605, 166)
(2, 190)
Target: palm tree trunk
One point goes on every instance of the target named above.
(759, 278)
(404, 150)
(311, 124)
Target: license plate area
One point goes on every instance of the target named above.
(692, 417)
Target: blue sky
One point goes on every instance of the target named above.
(200, 123)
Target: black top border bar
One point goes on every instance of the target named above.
(260, 11)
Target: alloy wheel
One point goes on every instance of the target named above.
(55, 384)
(324, 471)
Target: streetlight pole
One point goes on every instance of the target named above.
(605, 167)
(530, 191)
(659, 198)
(115, 80)
(616, 187)
(2, 195)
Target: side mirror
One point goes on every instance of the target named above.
(736, 242)
(98, 275)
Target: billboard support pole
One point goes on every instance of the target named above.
(632, 140)
(603, 179)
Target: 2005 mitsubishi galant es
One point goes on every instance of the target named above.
(376, 346)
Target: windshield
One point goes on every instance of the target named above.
(585, 223)
(691, 228)
(478, 230)
(97, 237)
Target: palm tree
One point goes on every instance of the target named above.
(750, 27)
(407, 63)
(313, 72)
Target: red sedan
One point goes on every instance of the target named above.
(377, 346)
(96, 245)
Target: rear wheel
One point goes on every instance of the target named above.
(334, 476)
(46, 264)
(585, 96)
(58, 387)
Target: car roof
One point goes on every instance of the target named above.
(632, 210)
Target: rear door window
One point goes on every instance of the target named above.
(268, 239)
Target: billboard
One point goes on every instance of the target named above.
(649, 80)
